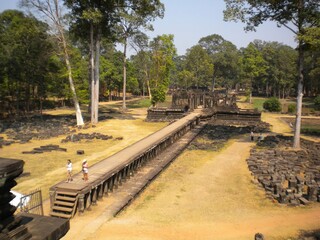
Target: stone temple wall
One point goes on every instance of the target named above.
(164, 114)
(184, 101)
(23, 225)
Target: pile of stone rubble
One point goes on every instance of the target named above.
(85, 136)
(24, 130)
(288, 175)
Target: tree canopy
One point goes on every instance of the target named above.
(296, 15)
(33, 71)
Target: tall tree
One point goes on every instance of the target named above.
(91, 20)
(142, 63)
(225, 58)
(295, 15)
(111, 72)
(312, 59)
(25, 51)
(94, 19)
(52, 11)
(162, 53)
(252, 66)
(281, 72)
(199, 63)
(132, 21)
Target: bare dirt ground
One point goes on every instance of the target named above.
(203, 195)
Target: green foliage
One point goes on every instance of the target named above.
(258, 103)
(142, 103)
(200, 65)
(316, 102)
(255, 12)
(311, 36)
(311, 131)
(184, 79)
(291, 108)
(25, 57)
(225, 57)
(253, 65)
(281, 72)
(296, 15)
(272, 104)
(141, 68)
(248, 93)
(162, 53)
(158, 95)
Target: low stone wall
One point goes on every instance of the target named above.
(289, 176)
(243, 115)
(221, 113)
(164, 114)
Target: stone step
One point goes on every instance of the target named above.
(63, 209)
(63, 203)
(67, 193)
(63, 198)
(60, 215)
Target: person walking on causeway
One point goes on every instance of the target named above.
(85, 170)
(69, 171)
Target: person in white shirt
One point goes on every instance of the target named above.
(85, 170)
(69, 171)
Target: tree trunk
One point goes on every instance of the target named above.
(92, 103)
(296, 140)
(213, 83)
(124, 107)
(73, 90)
(149, 89)
(53, 13)
(148, 83)
(90, 75)
(95, 44)
(74, 95)
(250, 94)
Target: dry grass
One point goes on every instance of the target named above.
(208, 195)
(202, 195)
(48, 168)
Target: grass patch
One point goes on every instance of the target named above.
(258, 103)
(311, 130)
(142, 103)
(146, 103)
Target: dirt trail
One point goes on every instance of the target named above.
(211, 198)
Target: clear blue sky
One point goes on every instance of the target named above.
(190, 20)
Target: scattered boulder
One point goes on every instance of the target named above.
(80, 152)
(258, 236)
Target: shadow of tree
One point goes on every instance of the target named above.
(309, 235)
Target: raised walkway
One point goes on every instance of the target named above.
(124, 194)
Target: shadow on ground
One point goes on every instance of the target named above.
(309, 235)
